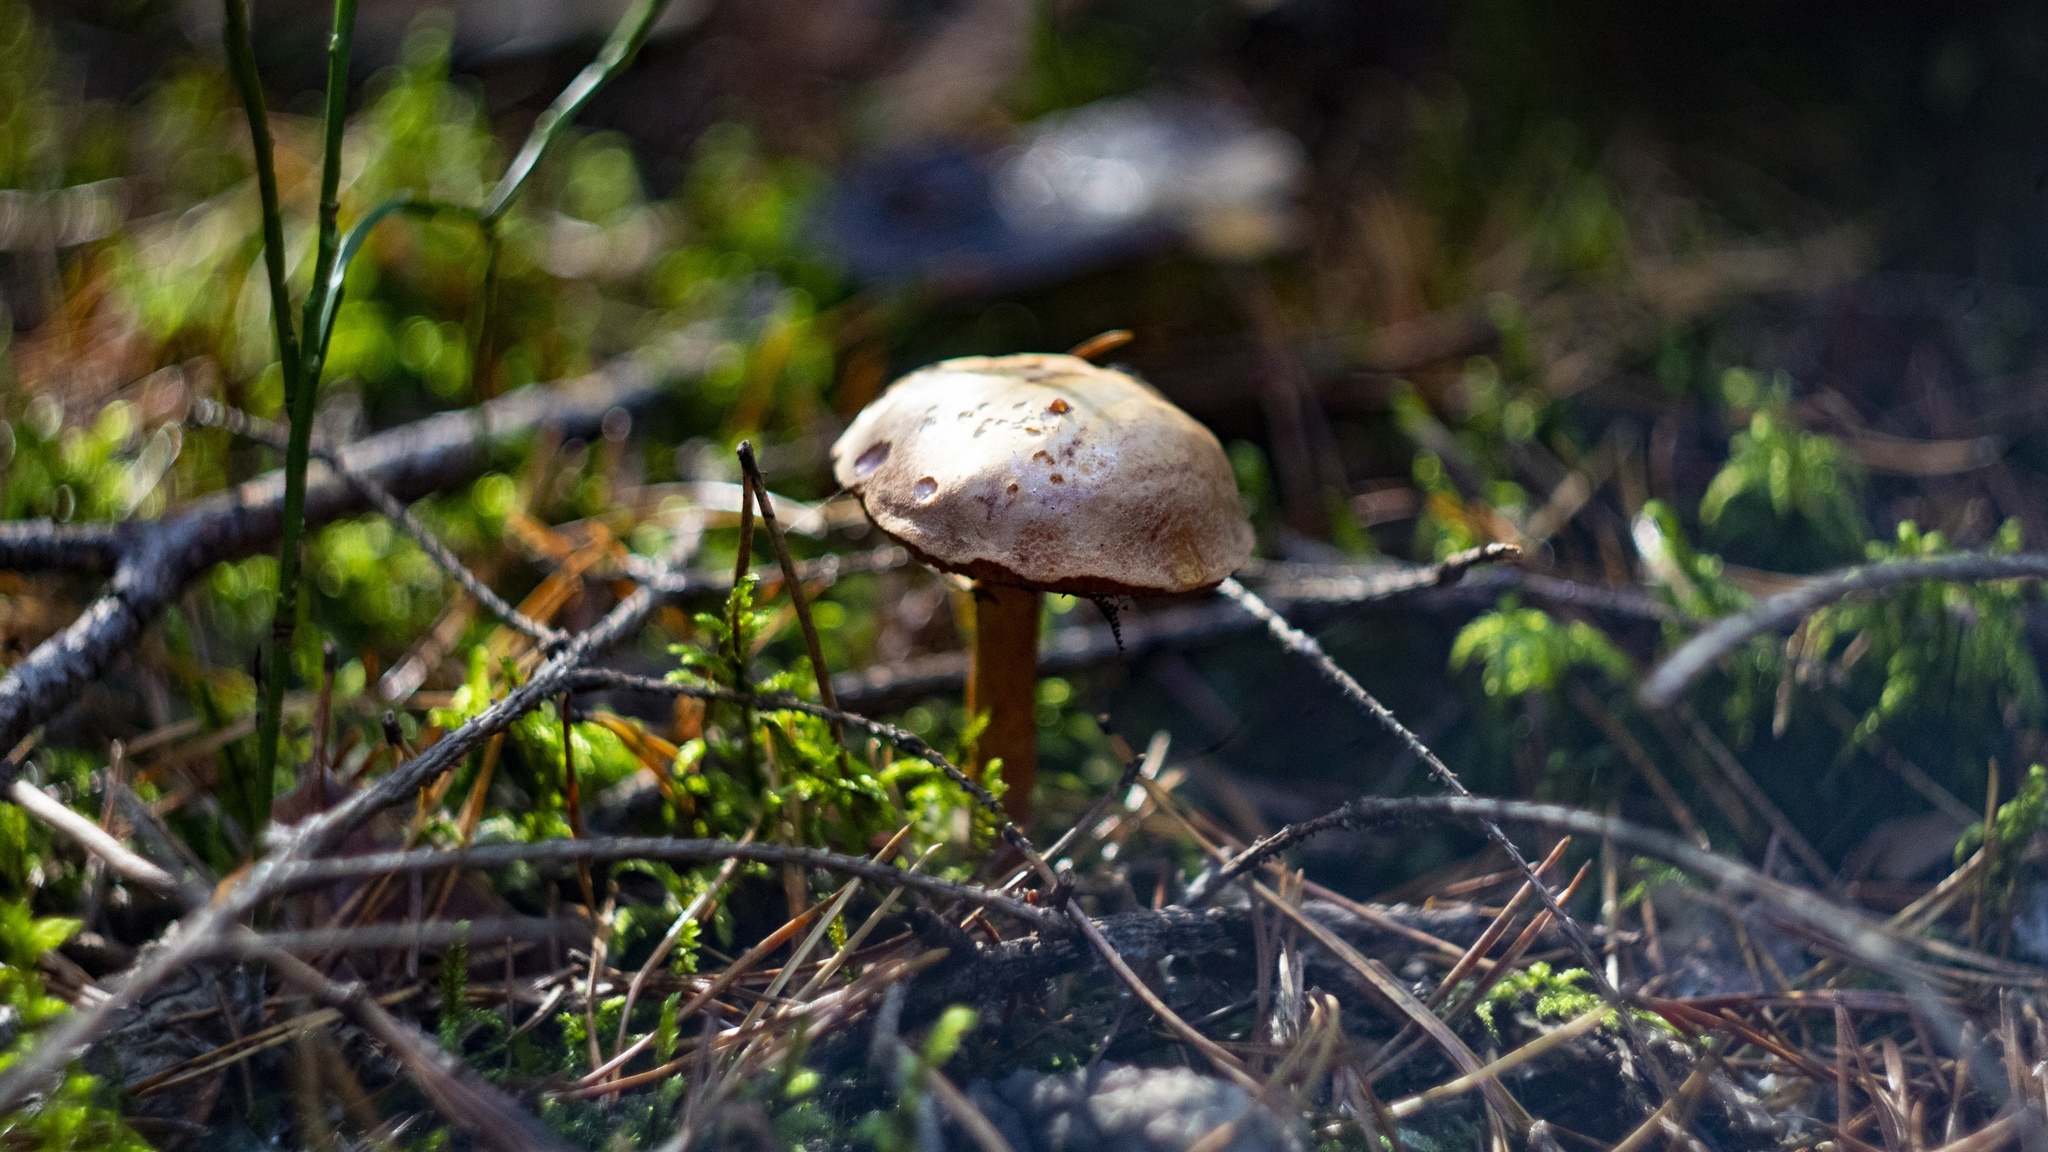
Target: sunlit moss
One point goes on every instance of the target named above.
(1522, 650)
(79, 1113)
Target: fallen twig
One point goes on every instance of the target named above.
(1305, 646)
(154, 561)
(299, 875)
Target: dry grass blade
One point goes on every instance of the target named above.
(747, 962)
(459, 1094)
(1669, 1116)
(2003, 1132)
(1533, 1050)
(1495, 930)
(243, 1047)
(699, 905)
(979, 1129)
(1871, 942)
(1225, 1063)
(853, 942)
(1396, 1051)
(1516, 950)
(1495, 972)
(1304, 645)
(844, 1002)
(1383, 984)
(1694, 1019)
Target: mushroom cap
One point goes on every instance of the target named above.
(1045, 471)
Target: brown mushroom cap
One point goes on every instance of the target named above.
(1048, 472)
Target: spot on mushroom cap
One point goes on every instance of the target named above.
(1048, 472)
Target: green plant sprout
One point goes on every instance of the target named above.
(1783, 484)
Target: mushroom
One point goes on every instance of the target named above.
(1040, 473)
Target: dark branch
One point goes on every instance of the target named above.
(41, 546)
(1308, 593)
(312, 873)
(156, 561)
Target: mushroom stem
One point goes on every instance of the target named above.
(1002, 680)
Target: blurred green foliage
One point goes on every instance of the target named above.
(1787, 499)
(80, 1113)
(2013, 826)
(1952, 657)
(28, 112)
(1521, 650)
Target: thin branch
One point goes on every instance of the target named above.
(303, 874)
(159, 559)
(94, 839)
(1357, 583)
(1786, 609)
(1326, 593)
(792, 582)
(211, 413)
(1304, 645)
(427, 934)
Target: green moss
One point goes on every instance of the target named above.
(1553, 996)
(79, 1113)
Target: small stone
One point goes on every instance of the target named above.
(1123, 1108)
